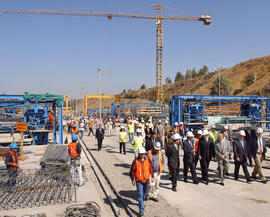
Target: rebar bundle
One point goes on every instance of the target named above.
(90, 209)
(36, 187)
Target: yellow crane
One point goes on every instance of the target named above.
(206, 19)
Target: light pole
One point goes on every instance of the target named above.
(99, 84)
(83, 100)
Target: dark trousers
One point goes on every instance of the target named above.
(237, 167)
(91, 131)
(173, 172)
(12, 177)
(99, 144)
(196, 160)
(191, 166)
(122, 146)
(204, 169)
(250, 161)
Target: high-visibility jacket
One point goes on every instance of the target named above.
(159, 159)
(74, 131)
(138, 142)
(143, 127)
(196, 144)
(72, 150)
(130, 128)
(182, 130)
(214, 135)
(14, 160)
(142, 170)
(123, 137)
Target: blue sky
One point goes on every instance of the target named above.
(60, 54)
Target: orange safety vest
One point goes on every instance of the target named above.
(196, 144)
(72, 150)
(159, 159)
(14, 161)
(142, 170)
(74, 131)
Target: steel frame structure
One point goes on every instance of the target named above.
(194, 107)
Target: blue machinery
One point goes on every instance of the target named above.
(193, 109)
(35, 113)
(121, 109)
(96, 111)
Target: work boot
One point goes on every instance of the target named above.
(264, 181)
(147, 197)
(141, 214)
(196, 182)
(174, 189)
(185, 180)
(221, 183)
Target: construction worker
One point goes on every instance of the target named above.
(166, 130)
(141, 128)
(138, 142)
(82, 128)
(140, 173)
(143, 125)
(172, 154)
(131, 131)
(51, 118)
(175, 128)
(197, 138)
(223, 147)
(169, 140)
(74, 151)
(74, 130)
(122, 139)
(147, 130)
(12, 163)
(91, 127)
(181, 129)
(109, 124)
(213, 133)
(250, 137)
(258, 152)
(160, 132)
(189, 157)
(157, 160)
(100, 136)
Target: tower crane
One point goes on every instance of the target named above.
(205, 18)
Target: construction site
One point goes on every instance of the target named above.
(95, 146)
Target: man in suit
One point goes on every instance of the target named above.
(223, 156)
(250, 137)
(189, 157)
(240, 151)
(150, 142)
(100, 136)
(258, 152)
(206, 152)
(172, 154)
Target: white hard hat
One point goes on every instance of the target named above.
(205, 132)
(259, 130)
(138, 131)
(190, 134)
(147, 124)
(181, 123)
(242, 133)
(157, 146)
(176, 136)
(122, 127)
(213, 126)
(137, 118)
(176, 123)
(140, 125)
(248, 125)
(226, 127)
(159, 121)
(166, 122)
(142, 120)
(199, 132)
(141, 150)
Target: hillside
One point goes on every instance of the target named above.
(202, 85)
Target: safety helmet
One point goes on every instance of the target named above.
(226, 127)
(176, 136)
(205, 132)
(13, 145)
(181, 123)
(176, 124)
(141, 150)
(190, 134)
(199, 132)
(74, 126)
(157, 146)
(242, 133)
(213, 126)
(159, 121)
(166, 122)
(122, 127)
(138, 131)
(140, 125)
(259, 130)
(248, 125)
(74, 137)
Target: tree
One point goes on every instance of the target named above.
(193, 73)
(179, 77)
(143, 87)
(250, 78)
(225, 86)
(188, 74)
(203, 71)
(168, 80)
(124, 91)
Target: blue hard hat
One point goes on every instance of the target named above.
(74, 125)
(13, 145)
(74, 137)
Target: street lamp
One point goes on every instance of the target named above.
(99, 84)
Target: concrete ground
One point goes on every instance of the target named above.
(87, 192)
(236, 198)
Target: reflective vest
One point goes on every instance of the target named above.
(123, 137)
(214, 135)
(142, 170)
(147, 131)
(72, 150)
(14, 160)
(130, 128)
(138, 142)
(74, 131)
(196, 144)
(143, 127)
(159, 159)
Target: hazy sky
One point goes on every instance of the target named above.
(60, 54)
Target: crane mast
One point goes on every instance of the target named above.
(206, 19)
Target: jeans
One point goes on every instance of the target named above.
(142, 190)
(12, 177)
(82, 132)
(131, 135)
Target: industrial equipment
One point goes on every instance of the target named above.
(86, 97)
(120, 110)
(198, 110)
(206, 19)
